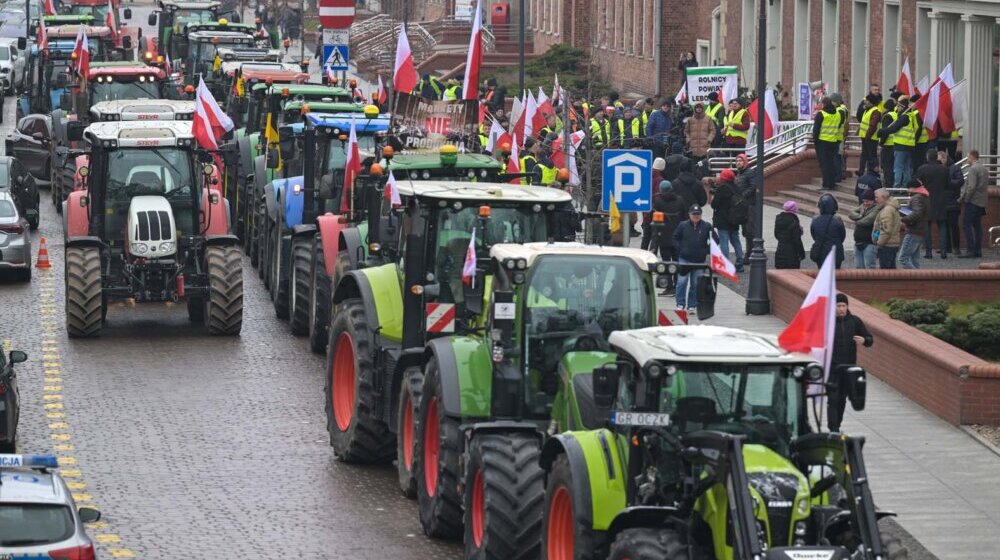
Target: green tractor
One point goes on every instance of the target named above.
(171, 20)
(706, 452)
(474, 419)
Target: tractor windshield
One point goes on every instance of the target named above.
(100, 12)
(205, 51)
(763, 402)
(112, 90)
(337, 151)
(163, 172)
(193, 16)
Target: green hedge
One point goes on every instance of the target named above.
(977, 332)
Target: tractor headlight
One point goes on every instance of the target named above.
(522, 264)
(167, 247)
(510, 264)
(803, 508)
(800, 533)
(414, 175)
(661, 268)
(814, 372)
(536, 208)
(482, 173)
(471, 174)
(654, 370)
(139, 248)
(662, 282)
(518, 277)
(426, 174)
(456, 206)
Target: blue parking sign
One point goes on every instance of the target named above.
(628, 176)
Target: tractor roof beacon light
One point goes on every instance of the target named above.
(388, 152)
(371, 111)
(375, 170)
(449, 155)
(484, 211)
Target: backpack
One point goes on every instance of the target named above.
(739, 209)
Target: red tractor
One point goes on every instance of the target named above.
(109, 13)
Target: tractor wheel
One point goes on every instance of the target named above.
(409, 400)
(893, 548)
(265, 241)
(357, 434)
(562, 537)
(280, 280)
(439, 447)
(504, 495)
(648, 544)
(224, 306)
(196, 311)
(83, 291)
(319, 303)
(302, 295)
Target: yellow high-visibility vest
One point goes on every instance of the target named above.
(866, 121)
(600, 132)
(890, 139)
(713, 111)
(907, 136)
(634, 125)
(524, 168)
(829, 129)
(735, 117)
(842, 133)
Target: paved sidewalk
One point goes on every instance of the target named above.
(939, 480)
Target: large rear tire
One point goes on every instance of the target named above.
(648, 544)
(439, 446)
(409, 399)
(356, 432)
(83, 291)
(562, 537)
(319, 303)
(301, 293)
(224, 306)
(504, 495)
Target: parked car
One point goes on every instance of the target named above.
(14, 177)
(10, 407)
(29, 143)
(11, 66)
(15, 238)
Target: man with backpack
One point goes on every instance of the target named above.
(730, 211)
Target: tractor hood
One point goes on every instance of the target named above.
(152, 232)
(776, 484)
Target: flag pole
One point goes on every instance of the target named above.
(758, 302)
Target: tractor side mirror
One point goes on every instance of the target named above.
(605, 381)
(22, 43)
(74, 130)
(856, 380)
(286, 140)
(152, 19)
(127, 13)
(271, 161)
(326, 186)
(62, 80)
(17, 356)
(707, 288)
(473, 293)
(127, 42)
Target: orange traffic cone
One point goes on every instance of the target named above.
(43, 256)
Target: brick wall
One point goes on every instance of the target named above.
(949, 285)
(876, 42)
(951, 383)
(816, 44)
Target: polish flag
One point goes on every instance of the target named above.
(168, 67)
(497, 137)
(905, 82)
(110, 20)
(391, 192)
(469, 268)
(946, 110)
(556, 95)
(82, 52)
(517, 118)
(210, 122)
(545, 107)
(574, 174)
(532, 118)
(50, 8)
(514, 162)
(43, 35)
(720, 264)
(330, 76)
(352, 168)
(728, 92)
(811, 330)
(382, 96)
(682, 94)
(922, 86)
(770, 114)
(960, 104)
(474, 60)
(559, 154)
(404, 74)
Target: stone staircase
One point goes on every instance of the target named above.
(806, 195)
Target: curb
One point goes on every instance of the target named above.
(983, 441)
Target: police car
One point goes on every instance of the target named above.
(38, 518)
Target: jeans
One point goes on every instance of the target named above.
(688, 283)
(887, 257)
(909, 251)
(727, 236)
(888, 175)
(864, 255)
(972, 221)
(902, 169)
(942, 227)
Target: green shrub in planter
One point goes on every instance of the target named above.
(918, 311)
(984, 333)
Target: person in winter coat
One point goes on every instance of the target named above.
(658, 126)
(848, 332)
(936, 179)
(915, 221)
(885, 232)
(828, 231)
(864, 222)
(974, 198)
(691, 243)
(952, 207)
(726, 222)
(673, 210)
(747, 181)
(788, 232)
(699, 132)
(688, 187)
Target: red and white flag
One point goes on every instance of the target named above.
(352, 168)
(391, 192)
(50, 8)
(960, 104)
(330, 76)
(168, 66)
(469, 268)
(559, 154)
(545, 107)
(514, 162)
(922, 87)
(210, 122)
(382, 96)
(935, 106)
(82, 51)
(682, 94)
(110, 19)
(498, 136)
(404, 74)
(474, 59)
(720, 264)
(811, 330)
(531, 116)
(43, 36)
(905, 82)
(770, 125)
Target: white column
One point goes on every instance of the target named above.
(978, 71)
(942, 42)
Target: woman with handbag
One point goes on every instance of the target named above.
(828, 231)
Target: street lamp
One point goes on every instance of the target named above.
(758, 302)
(520, 52)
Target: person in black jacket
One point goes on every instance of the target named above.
(788, 232)
(673, 210)
(937, 180)
(691, 243)
(726, 223)
(953, 208)
(848, 332)
(687, 186)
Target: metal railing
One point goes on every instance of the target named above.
(793, 138)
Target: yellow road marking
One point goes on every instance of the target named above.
(121, 553)
(58, 426)
(51, 364)
(76, 485)
(52, 379)
(52, 388)
(66, 461)
(52, 397)
(70, 473)
(52, 371)
(82, 497)
(53, 406)
(105, 539)
(98, 525)
(60, 437)
(55, 415)
(63, 447)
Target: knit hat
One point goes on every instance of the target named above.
(869, 194)
(743, 158)
(659, 164)
(727, 176)
(872, 98)
(713, 96)
(841, 297)
(665, 185)
(790, 206)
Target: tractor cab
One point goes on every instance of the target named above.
(69, 19)
(250, 55)
(104, 13)
(142, 110)
(48, 69)
(709, 426)
(154, 220)
(172, 19)
(240, 78)
(203, 57)
(111, 81)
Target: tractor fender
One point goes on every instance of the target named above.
(595, 461)
(357, 284)
(271, 201)
(215, 218)
(504, 427)
(76, 214)
(304, 230)
(290, 201)
(329, 238)
(466, 371)
(640, 516)
(351, 244)
(246, 153)
(221, 240)
(79, 183)
(84, 241)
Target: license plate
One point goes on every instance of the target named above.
(656, 419)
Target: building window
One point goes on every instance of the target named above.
(890, 45)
